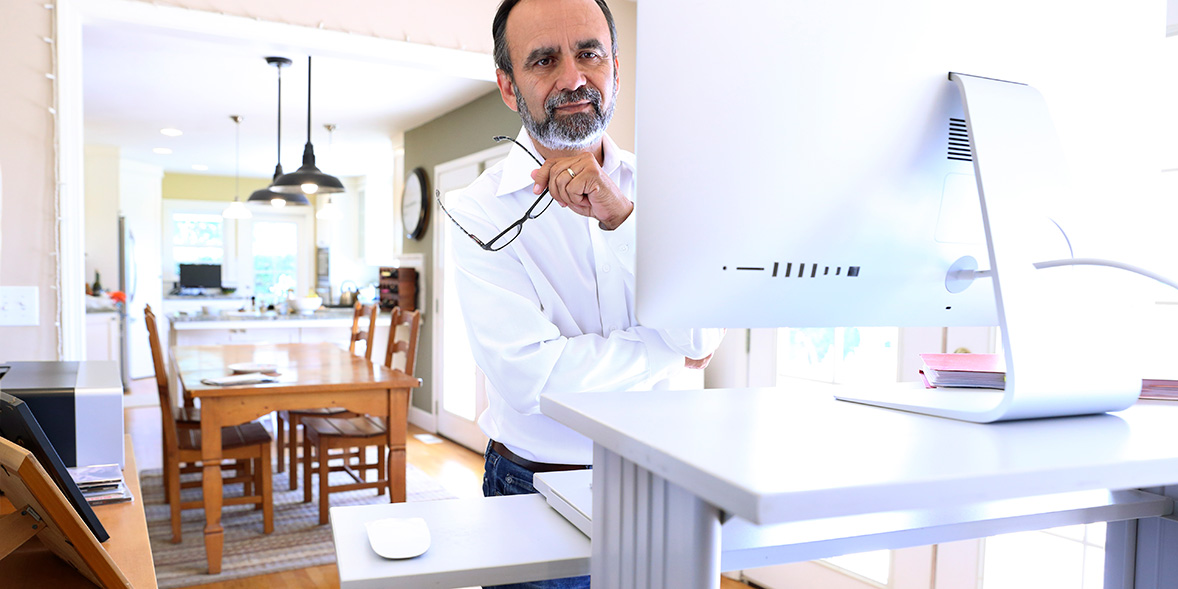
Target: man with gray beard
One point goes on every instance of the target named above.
(547, 293)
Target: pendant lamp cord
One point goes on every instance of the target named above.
(308, 100)
(278, 171)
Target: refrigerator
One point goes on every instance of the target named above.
(135, 353)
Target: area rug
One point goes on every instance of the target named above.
(298, 540)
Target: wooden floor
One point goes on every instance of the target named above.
(457, 468)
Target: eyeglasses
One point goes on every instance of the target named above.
(508, 235)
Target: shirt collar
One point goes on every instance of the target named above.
(518, 166)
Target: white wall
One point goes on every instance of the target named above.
(102, 214)
(27, 216)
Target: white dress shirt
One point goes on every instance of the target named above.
(554, 311)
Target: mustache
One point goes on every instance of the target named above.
(584, 93)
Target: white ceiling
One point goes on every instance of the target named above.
(148, 67)
(140, 77)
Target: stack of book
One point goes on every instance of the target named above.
(988, 371)
(101, 484)
(1152, 388)
(985, 371)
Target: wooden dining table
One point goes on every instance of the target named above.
(308, 376)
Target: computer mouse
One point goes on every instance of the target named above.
(397, 537)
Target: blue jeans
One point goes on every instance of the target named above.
(503, 477)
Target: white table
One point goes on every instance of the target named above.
(671, 466)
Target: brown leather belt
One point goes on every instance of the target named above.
(502, 450)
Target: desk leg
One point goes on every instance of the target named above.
(649, 532)
(210, 452)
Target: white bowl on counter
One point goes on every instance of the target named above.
(306, 305)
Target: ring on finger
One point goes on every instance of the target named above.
(572, 174)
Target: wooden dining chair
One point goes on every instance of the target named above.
(359, 312)
(186, 416)
(289, 420)
(248, 445)
(356, 434)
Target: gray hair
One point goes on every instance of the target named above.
(499, 33)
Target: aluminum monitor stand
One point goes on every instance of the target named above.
(1063, 353)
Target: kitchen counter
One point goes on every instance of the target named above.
(206, 297)
(332, 325)
(321, 317)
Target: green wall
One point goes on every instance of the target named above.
(456, 134)
(204, 187)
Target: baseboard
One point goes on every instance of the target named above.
(423, 419)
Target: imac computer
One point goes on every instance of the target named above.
(200, 276)
(909, 163)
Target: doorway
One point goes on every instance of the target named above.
(459, 386)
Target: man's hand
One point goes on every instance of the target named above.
(578, 183)
(697, 364)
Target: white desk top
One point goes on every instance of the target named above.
(473, 542)
(775, 455)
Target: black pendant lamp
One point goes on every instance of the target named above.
(307, 179)
(266, 195)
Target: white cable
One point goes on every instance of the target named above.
(52, 76)
(1110, 264)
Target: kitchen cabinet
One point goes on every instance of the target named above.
(102, 336)
(331, 326)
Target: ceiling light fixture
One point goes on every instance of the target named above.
(237, 209)
(308, 179)
(268, 195)
(161, 151)
(200, 167)
(171, 132)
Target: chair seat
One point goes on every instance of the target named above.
(234, 436)
(312, 412)
(364, 426)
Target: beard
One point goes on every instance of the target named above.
(570, 132)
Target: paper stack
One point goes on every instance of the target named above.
(986, 371)
(101, 484)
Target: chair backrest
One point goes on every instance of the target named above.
(359, 312)
(408, 344)
(167, 409)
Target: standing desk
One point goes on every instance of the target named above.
(671, 466)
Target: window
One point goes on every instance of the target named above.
(839, 354)
(263, 256)
(275, 265)
(196, 239)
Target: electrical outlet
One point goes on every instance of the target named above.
(18, 305)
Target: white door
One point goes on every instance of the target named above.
(459, 388)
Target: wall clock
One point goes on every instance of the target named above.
(415, 204)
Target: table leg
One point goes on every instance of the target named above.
(210, 452)
(397, 475)
(649, 532)
(279, 427)
(398, 429)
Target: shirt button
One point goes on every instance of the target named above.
(623, 248)
(605, 267)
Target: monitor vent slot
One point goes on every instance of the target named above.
(800, 270)
(959, 144)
